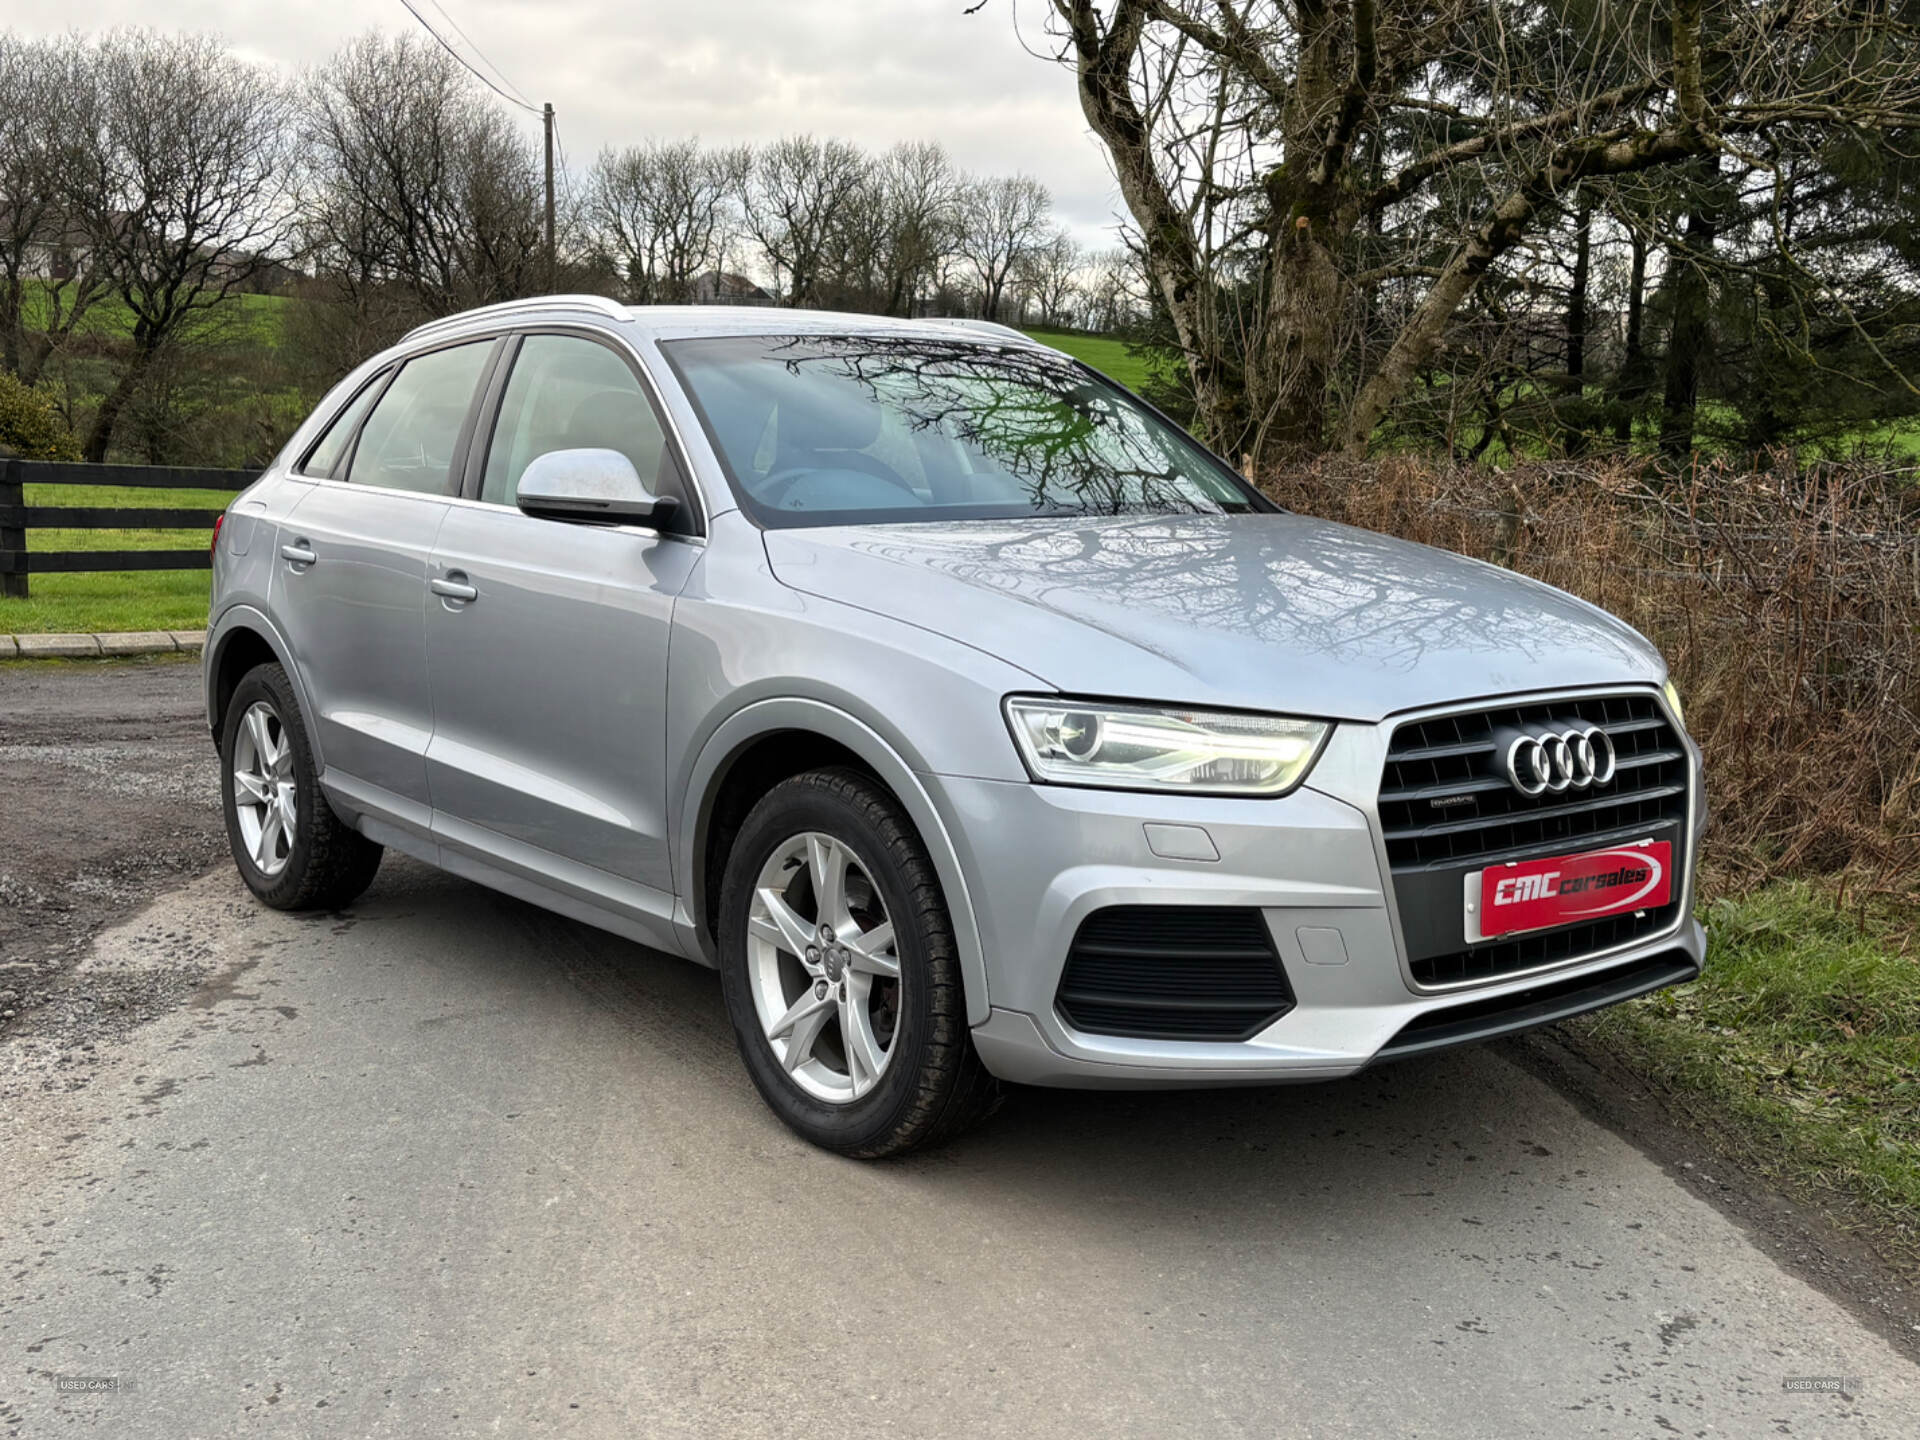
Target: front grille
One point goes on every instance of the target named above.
(1513, 954)
(1173, 972)
(1447, 808)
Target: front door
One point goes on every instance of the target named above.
(351, 588)
(548, 645)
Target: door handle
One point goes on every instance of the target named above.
(454, 587)
(298, 553)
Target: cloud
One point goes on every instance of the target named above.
(873, 71)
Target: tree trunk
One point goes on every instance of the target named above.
(12, 327)
(1291, 357)
(1292, 362)
(114, 402)
(1420, 336)
(37, 350)
(1690, 335)
(1573, 433)
(1174, 263)
(1689, 338)
(1631, 384)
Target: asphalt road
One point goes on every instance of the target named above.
(107, 795)
(445, 1165)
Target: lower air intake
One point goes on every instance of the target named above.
(1174, 972)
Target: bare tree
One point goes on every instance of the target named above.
(666, 212)
(1049, 276)
(891, 233)
(425, 199)
(1002, 221)
(1112, 291)
(920, 193)
(50, 271)
(854, 258)
(188, 165)
(793, 202)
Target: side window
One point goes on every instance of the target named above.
(569, 393)
(409, 439)
(331, 447)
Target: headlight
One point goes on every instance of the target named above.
(1673, 699)
(1137, 747)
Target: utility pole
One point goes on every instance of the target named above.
(553, 266)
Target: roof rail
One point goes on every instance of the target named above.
(983, 327)
(599, 304)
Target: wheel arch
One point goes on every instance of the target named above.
(243, 639)
(772, 739)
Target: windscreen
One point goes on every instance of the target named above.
(871, 429)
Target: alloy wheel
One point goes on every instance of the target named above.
(264, 793)
(822, 967)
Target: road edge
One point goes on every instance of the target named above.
(109, 644)
(1807, 1236)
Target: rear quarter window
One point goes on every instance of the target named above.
(326, 453)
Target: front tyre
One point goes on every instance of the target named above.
(840, 971)
(291, 849)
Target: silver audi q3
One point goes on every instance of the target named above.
(977, 724)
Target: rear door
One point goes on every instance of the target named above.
(549, 663)
(351, 581)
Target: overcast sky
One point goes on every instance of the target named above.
(874, 71)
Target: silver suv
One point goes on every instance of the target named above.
(976, 723)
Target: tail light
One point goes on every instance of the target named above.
(218, 520)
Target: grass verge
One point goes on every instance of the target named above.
(101, 604)
(1797, 1051)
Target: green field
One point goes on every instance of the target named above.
(1109, 356)
(240, 320)
(129, 600)
(1898, 440)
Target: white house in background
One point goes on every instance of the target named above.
(50, 254)
(58, 254)
(723, 287)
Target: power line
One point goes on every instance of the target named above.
(545, 112)
(485, 59)
(466, 64)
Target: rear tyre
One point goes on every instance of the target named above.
(291, 849)
(840, 971)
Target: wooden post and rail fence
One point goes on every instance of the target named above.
(18, 518)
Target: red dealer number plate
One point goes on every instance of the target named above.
(1537, 894)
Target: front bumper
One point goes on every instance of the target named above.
(1040, 859)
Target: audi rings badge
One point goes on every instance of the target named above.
(1554, 761)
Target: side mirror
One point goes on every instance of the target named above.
(589, 485)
